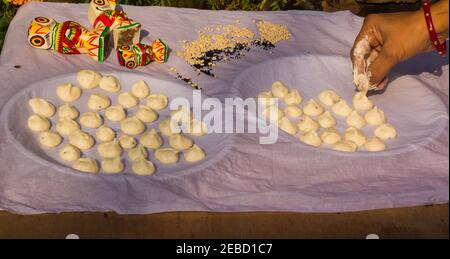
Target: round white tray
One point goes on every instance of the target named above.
(418, 114)
(16, 112)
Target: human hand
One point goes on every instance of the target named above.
(393, 38)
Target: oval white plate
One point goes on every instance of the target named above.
(417, 113)
(15, 114)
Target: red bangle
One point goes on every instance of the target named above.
(440, 47)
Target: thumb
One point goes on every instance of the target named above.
(380, 67)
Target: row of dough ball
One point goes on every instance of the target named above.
(353, 137)
(329, 98)
(80, 140)
(140, 164)
(112, 151)
(351, 140)
(43, 110)
(84, 141)
(67, 125)
(127, 100)
(90, 79)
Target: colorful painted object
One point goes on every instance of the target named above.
(160, 51)
(40, 32)
(97, 7)
(141, 54)
(67, 38)
(102, 14)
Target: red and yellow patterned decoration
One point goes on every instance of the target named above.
(111, 28)
(103, 14)
(97, 7)
(160, 51)
(141, 54)
(40, 32)
(67, 38)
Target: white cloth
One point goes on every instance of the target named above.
(280, 177)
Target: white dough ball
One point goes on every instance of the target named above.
(81, 140)
(180, 142)
(327, 120)
(68, 92)
(143, 167)
(182, 115)
(38, 123)
(375, 117)
(127, 142)
(194, 154)
(115, 113)
(293, 111)
(375, 145)
(132, 126)
(279, 90)
(311, 138)
(293, 98)
(329, 98)
(361, 102)
(91, 120)
(70, 153)
(42, 107)
(66, 126)
(68, 111)
(330, 136)
(307, 124)
(355, 135)
(138, 153)
(50, 139)
(345, 146)
(98, 102)
(146, 114)
(88, 79)
(167, 155)
(169, 127)
(110, 84)
(151, 140)
(105, 134)
(157, 102)
(287, 126)
(342, 109)
(140, 89)
(356, 120)
(312, 108)
(386, 131)
(110, 149)
(86, 165)
(128, 100)
(113, 165)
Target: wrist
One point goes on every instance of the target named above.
(439, 13)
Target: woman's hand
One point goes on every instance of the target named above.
(396, 37)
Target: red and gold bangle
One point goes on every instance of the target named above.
(440, 47)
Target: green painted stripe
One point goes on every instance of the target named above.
(55, 30)
(100, 50)
(138, 50)
(130, 26)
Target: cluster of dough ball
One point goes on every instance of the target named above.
(317, 119)
(133, 139)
